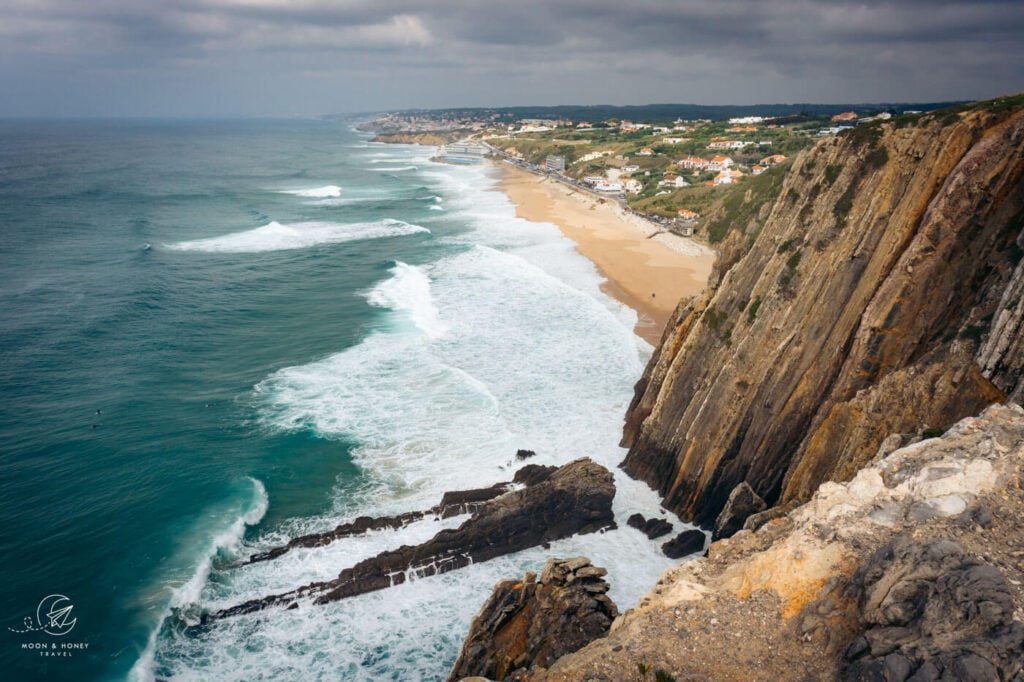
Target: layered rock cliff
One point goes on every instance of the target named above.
(881, 295)
(911, 571)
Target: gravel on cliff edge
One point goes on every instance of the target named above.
(797, 599)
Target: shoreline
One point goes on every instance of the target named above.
(644, 268)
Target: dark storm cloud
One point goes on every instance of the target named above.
(227, 56)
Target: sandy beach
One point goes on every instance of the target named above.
(647, 271)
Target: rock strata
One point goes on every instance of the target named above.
(556, 503)
(880, 296)
(528, 624)
(913, 570)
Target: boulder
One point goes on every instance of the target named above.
(652, 528)
(742, 503)
(527, 625)
(686, 543)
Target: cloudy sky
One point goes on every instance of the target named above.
(306, 57)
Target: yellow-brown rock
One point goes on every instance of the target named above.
(881, 296)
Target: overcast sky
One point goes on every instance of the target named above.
(307, 57)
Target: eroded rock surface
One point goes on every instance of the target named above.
(556, 503)
(531, 623)
(912, 570)
(882, 295)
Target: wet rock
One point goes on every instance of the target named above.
(686, 543)
(452, 503)
(522, 455)
(743, 502)
(525, 626)
(653, 528)
(575, 498)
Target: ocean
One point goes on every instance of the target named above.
(219, 335)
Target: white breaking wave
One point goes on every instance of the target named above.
(408, 291)
(184, 599)
(504, 341)
(276, 236)
(325, 192)
(394, 169)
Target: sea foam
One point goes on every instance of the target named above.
(503, 341)
(325, 192)
(276, 236)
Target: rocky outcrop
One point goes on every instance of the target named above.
(531, 623)
(453, 503)
(686, 543)
(430, 138)
(556, 503)
(913, 570)
(653, 528)
(931, 611)
(882, 295)
(743, 503)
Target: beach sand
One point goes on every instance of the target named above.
(649, 274)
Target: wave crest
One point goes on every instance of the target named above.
(276, 236)
(325, 192)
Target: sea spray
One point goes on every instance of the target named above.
(183, 600)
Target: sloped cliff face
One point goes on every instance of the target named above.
(882, 295)
(910, 571)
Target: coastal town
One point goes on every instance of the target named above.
(683, 175)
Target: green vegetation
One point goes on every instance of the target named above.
(741, 204)
(662, 676)
(752, 310)
(932, 433)
(877, 158)
(794, 260)
(841, 209)
(973, 332)
(832, 173)
(714, 318)
(786, 245)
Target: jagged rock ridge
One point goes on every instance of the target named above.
(881, 296)
(556, 503)
(531, 623)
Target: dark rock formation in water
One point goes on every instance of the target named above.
(883, 294)
(556, 503)
(530, 623)
(686, 543)
(652, 528)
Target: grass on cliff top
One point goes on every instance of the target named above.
(739, 205)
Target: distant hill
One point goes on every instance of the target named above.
(670, 112)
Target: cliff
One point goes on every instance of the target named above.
(880, 296)
(434, 138)
(530, 623)
(911, 571)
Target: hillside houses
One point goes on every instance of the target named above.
(719, 163)
(695, 163)
(773, 160)
(673, 181)
(728, 144)
(728, 177)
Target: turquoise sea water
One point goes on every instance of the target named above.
(218, 335)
